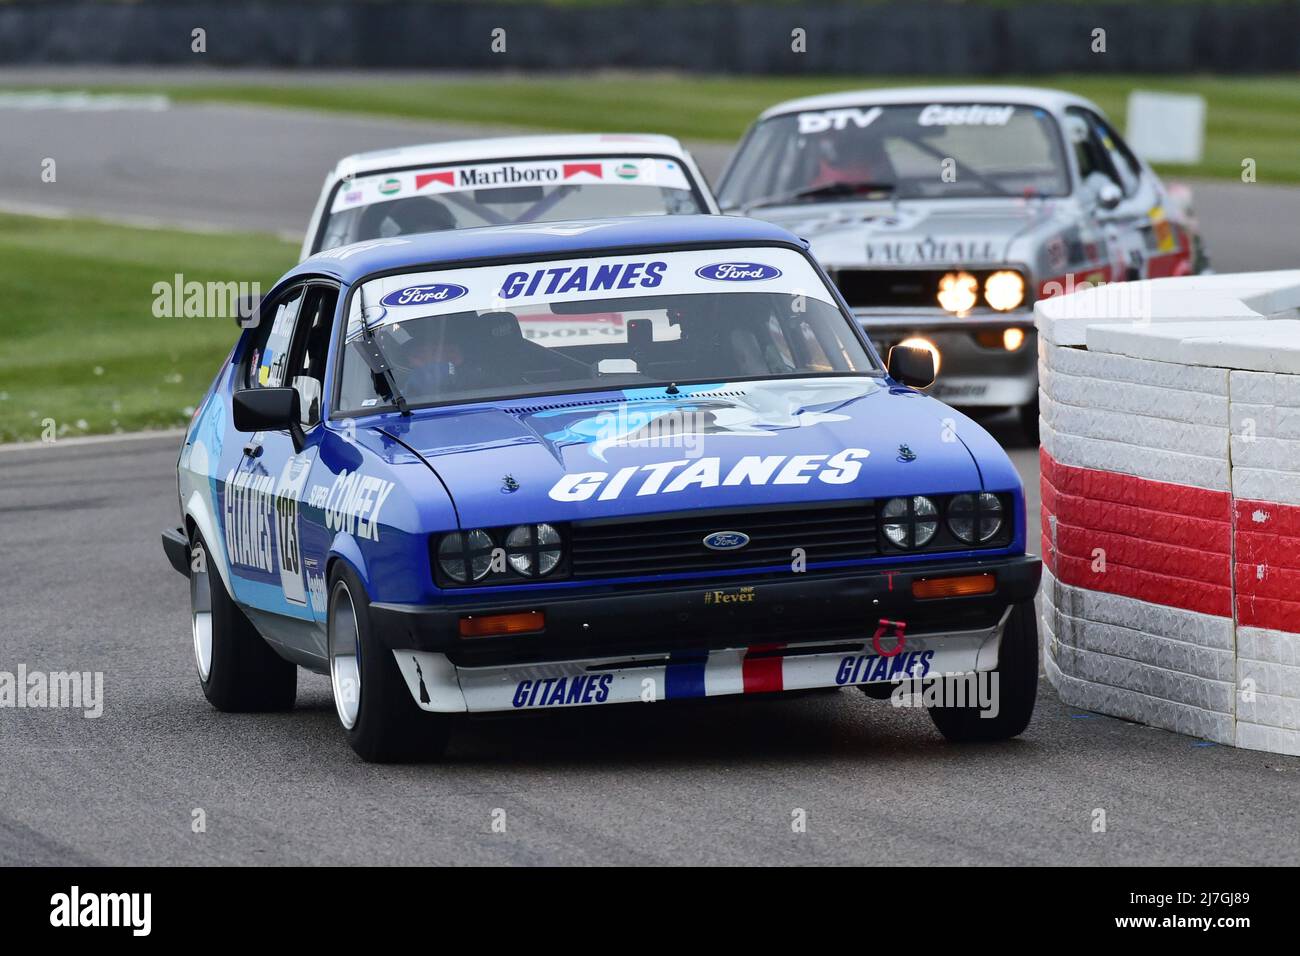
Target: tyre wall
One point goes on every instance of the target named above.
(1170, 481)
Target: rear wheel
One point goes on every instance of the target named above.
(374, 703)
(1017, 686)
(237, 668)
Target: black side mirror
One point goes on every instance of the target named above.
(269, 409)
(910, 366)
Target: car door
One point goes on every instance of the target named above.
(265, 501)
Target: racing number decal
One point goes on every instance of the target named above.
(288, 495)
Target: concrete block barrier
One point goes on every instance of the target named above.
(1170, 422)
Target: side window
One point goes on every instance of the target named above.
(1094, 157)
(311, 343)
(1121, 157)
(265, 364)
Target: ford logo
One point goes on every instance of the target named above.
(425, 294)
(738, 271)
(726, 540)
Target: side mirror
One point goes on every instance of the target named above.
(910, 366)
(268, 409)
(1109, 195)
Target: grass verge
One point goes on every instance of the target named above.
(82, 347)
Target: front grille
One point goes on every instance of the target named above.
(898, 288)
(844, 531)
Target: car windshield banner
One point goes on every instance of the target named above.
(580, 172)
(412, 295)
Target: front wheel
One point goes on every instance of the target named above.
(374, 704)
(1016, 688)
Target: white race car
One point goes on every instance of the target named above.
(507, 180)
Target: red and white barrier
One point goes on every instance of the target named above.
(1170, 422)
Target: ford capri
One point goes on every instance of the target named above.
(578, 464)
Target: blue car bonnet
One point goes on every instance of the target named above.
(727, 445)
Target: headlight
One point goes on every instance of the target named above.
(910, 522)
(1004, 290)
(498, 555)
(958, 291)
(533, 550)
(465, 555)
(975, 519)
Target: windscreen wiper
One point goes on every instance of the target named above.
(374, 356)
(825, 190)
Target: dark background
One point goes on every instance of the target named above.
(920, 37)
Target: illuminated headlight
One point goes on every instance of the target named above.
(1004, 290)
(465, 556)
(909, 522)
(958, 291)
(975, 519)
(533, 550)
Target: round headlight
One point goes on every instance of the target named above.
(465, 555)
(975, 519)
(1004, 290)
(958, 291)
(910, 522)
(533, 549)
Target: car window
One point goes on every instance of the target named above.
(501, 192)
(1121, 157)
(306, 370)
(605, 322)
(991, 149)
(268, 358)
(1095, 151)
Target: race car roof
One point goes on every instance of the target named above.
(509, 147)
(1052, 100)
(350, 263)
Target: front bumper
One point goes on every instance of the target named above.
(177, 548)
(650, 643)
(971, 374)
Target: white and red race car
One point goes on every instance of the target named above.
(504, 181)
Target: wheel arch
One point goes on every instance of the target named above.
(199, 517)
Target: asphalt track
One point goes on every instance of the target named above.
(84, 586)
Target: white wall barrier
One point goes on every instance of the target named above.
(1170, 421)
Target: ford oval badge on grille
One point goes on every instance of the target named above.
(726, 540)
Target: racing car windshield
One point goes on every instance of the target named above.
(655, 320)
(917, 151)
(503, 192)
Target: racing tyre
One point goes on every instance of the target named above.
(237, 668)
(1029, 421)
(1017, 686)
(374, 703)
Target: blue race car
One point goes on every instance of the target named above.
(582, 463)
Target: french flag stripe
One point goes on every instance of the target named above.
(684, 676)
(763, 674)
